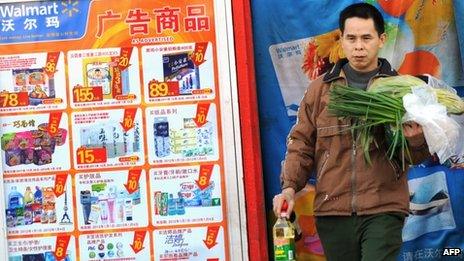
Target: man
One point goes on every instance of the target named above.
(359, 208)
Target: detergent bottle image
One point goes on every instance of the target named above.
(15, 199)
(16, 206)
(28, 196)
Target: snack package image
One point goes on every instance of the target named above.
(101, 141)
(104, 202)
(182, 195)
(28, 145)
(34, 208)
(32, 81)
(103, 77)
(184, 72)
(178, 137)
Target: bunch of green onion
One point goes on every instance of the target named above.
(382, 105)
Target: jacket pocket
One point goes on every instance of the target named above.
(328, 131)
(332, 136)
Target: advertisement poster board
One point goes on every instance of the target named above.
(113, 120)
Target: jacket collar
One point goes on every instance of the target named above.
(336, 71)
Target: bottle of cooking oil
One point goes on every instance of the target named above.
(284, 237)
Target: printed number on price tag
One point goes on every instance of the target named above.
(91, 155)
(162, 89)
(13, 99)
(87, 94)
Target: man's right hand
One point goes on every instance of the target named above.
(288, 195)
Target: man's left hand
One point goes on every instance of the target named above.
(413, 133)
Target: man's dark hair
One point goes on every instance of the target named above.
(362, 10)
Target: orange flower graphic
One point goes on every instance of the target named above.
(322, 52)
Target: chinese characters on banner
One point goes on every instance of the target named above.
(110, 129)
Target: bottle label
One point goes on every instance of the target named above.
(284, 249)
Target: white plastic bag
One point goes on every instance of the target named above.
(457, 161)
(441, 131)
(438, 84)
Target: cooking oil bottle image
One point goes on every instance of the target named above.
(284, 237)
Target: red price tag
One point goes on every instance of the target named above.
(198, 55)
(87, 94)
(91, 155)
(128, 120)
(60, 183)
(202, 114)
(13, 99)
(163, 89)
(61, 246)
(139, 237)
(133, 178)
(211, 236)
(54, 122)
(204, 176)
(50, 64)
(124, 58)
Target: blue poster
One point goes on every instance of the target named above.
(295, 43)
(38, 21)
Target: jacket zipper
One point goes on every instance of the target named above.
(321, 170)
(353, 174)
(353, 162)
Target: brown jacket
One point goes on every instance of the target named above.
(322, 143)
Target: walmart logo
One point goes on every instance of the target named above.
(69, 7)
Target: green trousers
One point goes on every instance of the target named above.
(351, 238)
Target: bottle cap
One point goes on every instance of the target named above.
(283, 209)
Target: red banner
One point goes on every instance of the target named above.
(211, 236)
(139, 237)
(50, 65)
(128, 121)
(54, 122)
(61, 246)
(202, 114)
(132, 183)
(204, 176)
(198, 56)
(60, 184)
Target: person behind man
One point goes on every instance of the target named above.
(359, 208)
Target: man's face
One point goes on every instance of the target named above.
(361, 43)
